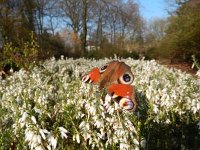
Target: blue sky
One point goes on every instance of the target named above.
(151, 9)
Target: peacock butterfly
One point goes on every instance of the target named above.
(116, 77)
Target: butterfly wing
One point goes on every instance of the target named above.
(92, 77)
(124, 95)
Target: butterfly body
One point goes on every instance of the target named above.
(116, 77)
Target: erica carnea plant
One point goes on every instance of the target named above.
(49, 107)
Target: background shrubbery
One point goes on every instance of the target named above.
(181, 35)
(22, 56)
(117, 28)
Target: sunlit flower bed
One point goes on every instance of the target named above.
(50, 108)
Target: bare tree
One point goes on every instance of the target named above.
(73, 12)
(158, 27)
(76, 12)
(98, 16)
(124, 20)
(84, 25)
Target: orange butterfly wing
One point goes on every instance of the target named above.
(92, 77)
(124, 94)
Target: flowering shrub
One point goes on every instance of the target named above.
(50, 108)
(20, 56)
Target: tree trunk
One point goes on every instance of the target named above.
(29, 12)
(84, 26)
(99, 32)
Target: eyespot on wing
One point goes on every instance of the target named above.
(126, 104)
(126, 78)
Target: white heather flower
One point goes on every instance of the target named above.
(39, 148)
(148, 94)
(39, 100)
(198, 105)
(52, 141)
(107, 99)
(82, 124)
(33, 119)
(111, 110)
(63, 135)
(115, 139)
(23, 118)
(42, 132)
(198, 73)
(143, 143)
(77, 138)
(124, 146)
(155, 108)
(11, 70)
(38, 110)
(92, 110)
(116, 107)
(167, 121)
(102, 131)
(36, 139)
(87, 126)
(86, 135)
(98, 124)
(33, 145)
(49, 115)
(48, 147)
(136, 148)
(29, 135)
(63, 70)
(135, 141)
(63, 132)
(99, 136)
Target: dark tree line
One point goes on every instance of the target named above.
(88, 22)
(177, 37)
(182, 35)
(99, 28)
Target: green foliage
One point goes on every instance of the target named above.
(182, 36)
(51, 46)
(110, 51)
(131, 54)
(151, 53)
(21, 56)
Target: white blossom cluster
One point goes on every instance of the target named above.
(50, 108)
(167, 91)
